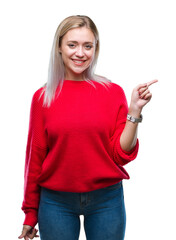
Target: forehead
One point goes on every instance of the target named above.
(81, 34)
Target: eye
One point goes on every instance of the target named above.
(71, 45)
(88, 46)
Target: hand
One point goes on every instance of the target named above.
(141, 95)
(28, 232)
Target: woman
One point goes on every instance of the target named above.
(81, 134)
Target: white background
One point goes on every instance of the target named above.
(138, 44)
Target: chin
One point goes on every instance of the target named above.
(79, 72)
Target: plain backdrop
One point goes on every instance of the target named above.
(137, 45)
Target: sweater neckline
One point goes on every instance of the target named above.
(68, 80)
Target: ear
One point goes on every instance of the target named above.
(60, 50)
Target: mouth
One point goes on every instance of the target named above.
(78, 62)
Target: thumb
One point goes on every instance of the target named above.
(25, 231)
(23, 234)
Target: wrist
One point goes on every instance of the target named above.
(135, 112)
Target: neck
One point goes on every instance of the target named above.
(74, 77)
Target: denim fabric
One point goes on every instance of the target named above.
(103, 210)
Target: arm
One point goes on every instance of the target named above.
(140, 97)
(121, 156)
(36, 151)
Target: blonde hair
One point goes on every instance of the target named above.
(56, 70)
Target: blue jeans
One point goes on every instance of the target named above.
(103, 210)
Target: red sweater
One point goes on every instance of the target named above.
(74, 146)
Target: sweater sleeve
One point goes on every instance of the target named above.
(120, 156)
(36, 151)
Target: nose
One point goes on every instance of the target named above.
(80, 52)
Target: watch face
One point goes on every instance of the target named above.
(130, 118)
(133, 119)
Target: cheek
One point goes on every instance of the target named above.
(66, 56)
(91, 55)
(66, 52)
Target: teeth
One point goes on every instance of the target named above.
(78, 61)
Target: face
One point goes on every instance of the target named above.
(77, 49)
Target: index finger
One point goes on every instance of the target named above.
(152, 82)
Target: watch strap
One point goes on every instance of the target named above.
(133, 119)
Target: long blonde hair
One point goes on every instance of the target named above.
(56, 70)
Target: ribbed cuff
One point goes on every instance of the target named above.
(128, 156)
(31, 219)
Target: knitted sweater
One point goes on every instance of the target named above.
(74, 145)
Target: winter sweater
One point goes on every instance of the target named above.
(74, 145)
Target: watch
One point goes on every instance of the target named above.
(133, 119)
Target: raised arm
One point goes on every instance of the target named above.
(141, 95)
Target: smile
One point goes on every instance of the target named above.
(78, 62)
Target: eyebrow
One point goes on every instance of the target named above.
(77, 42)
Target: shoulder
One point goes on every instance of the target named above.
(116, 87)
(117, 90)
(37, 97)
(39, 92)
(112, 86)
